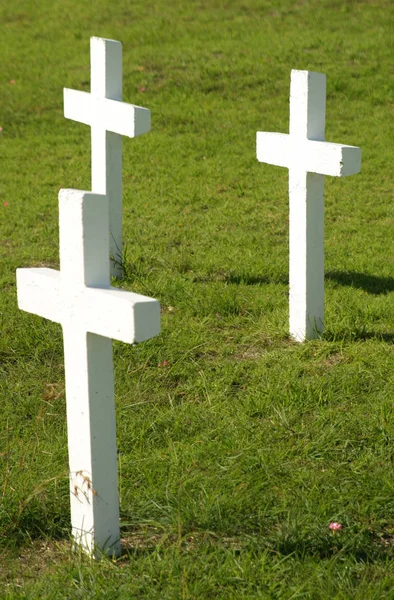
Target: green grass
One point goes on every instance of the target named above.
(238, 451)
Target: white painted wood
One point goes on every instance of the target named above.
(91, 312)
(109, 119)
(308, 157)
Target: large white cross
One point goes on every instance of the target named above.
(308, 157)
(109, 118)
(91, 312)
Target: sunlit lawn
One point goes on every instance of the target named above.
(237, 447)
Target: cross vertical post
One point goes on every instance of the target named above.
(306, 198)
(91, 313)
(308, 157)
(109, 118)
(106, 146)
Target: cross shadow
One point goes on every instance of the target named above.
(240, 278)
(247, 279)
(358, 336)
(368, 283)
(366, 550)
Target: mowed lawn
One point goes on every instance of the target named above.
(237, 447)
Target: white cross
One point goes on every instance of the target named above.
(109, 118)
(308, 158)
(80, 298)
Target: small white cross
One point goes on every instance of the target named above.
(80, 298)
(308, 157)
(109, 118)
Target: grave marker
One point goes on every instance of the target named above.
(109, 119)
(80, 298)
(308, 157)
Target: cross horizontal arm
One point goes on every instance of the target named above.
(39, 292)
(78, 106)
(120, 315)
(310, 156)
(111, 312)
(112, 115)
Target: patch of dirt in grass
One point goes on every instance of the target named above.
(152, 538)
(388, 541)
(53, 391)
(145, 540)
(45, 265)
(254, 352)
(333, 359)
(249, 354)
(18, 568)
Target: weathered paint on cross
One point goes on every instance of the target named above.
(109, 118)
(308, 157)
(91, 312)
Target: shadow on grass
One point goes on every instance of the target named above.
(245, 279)
(363, 549)
(368, 283)
(34, 528)
(358, 336)
(241, 279)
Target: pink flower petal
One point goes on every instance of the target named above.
(12, 81)
(335, 526)
(6, 204)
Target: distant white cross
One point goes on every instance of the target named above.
(109, 118)
(80, 298)
(308, 158)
